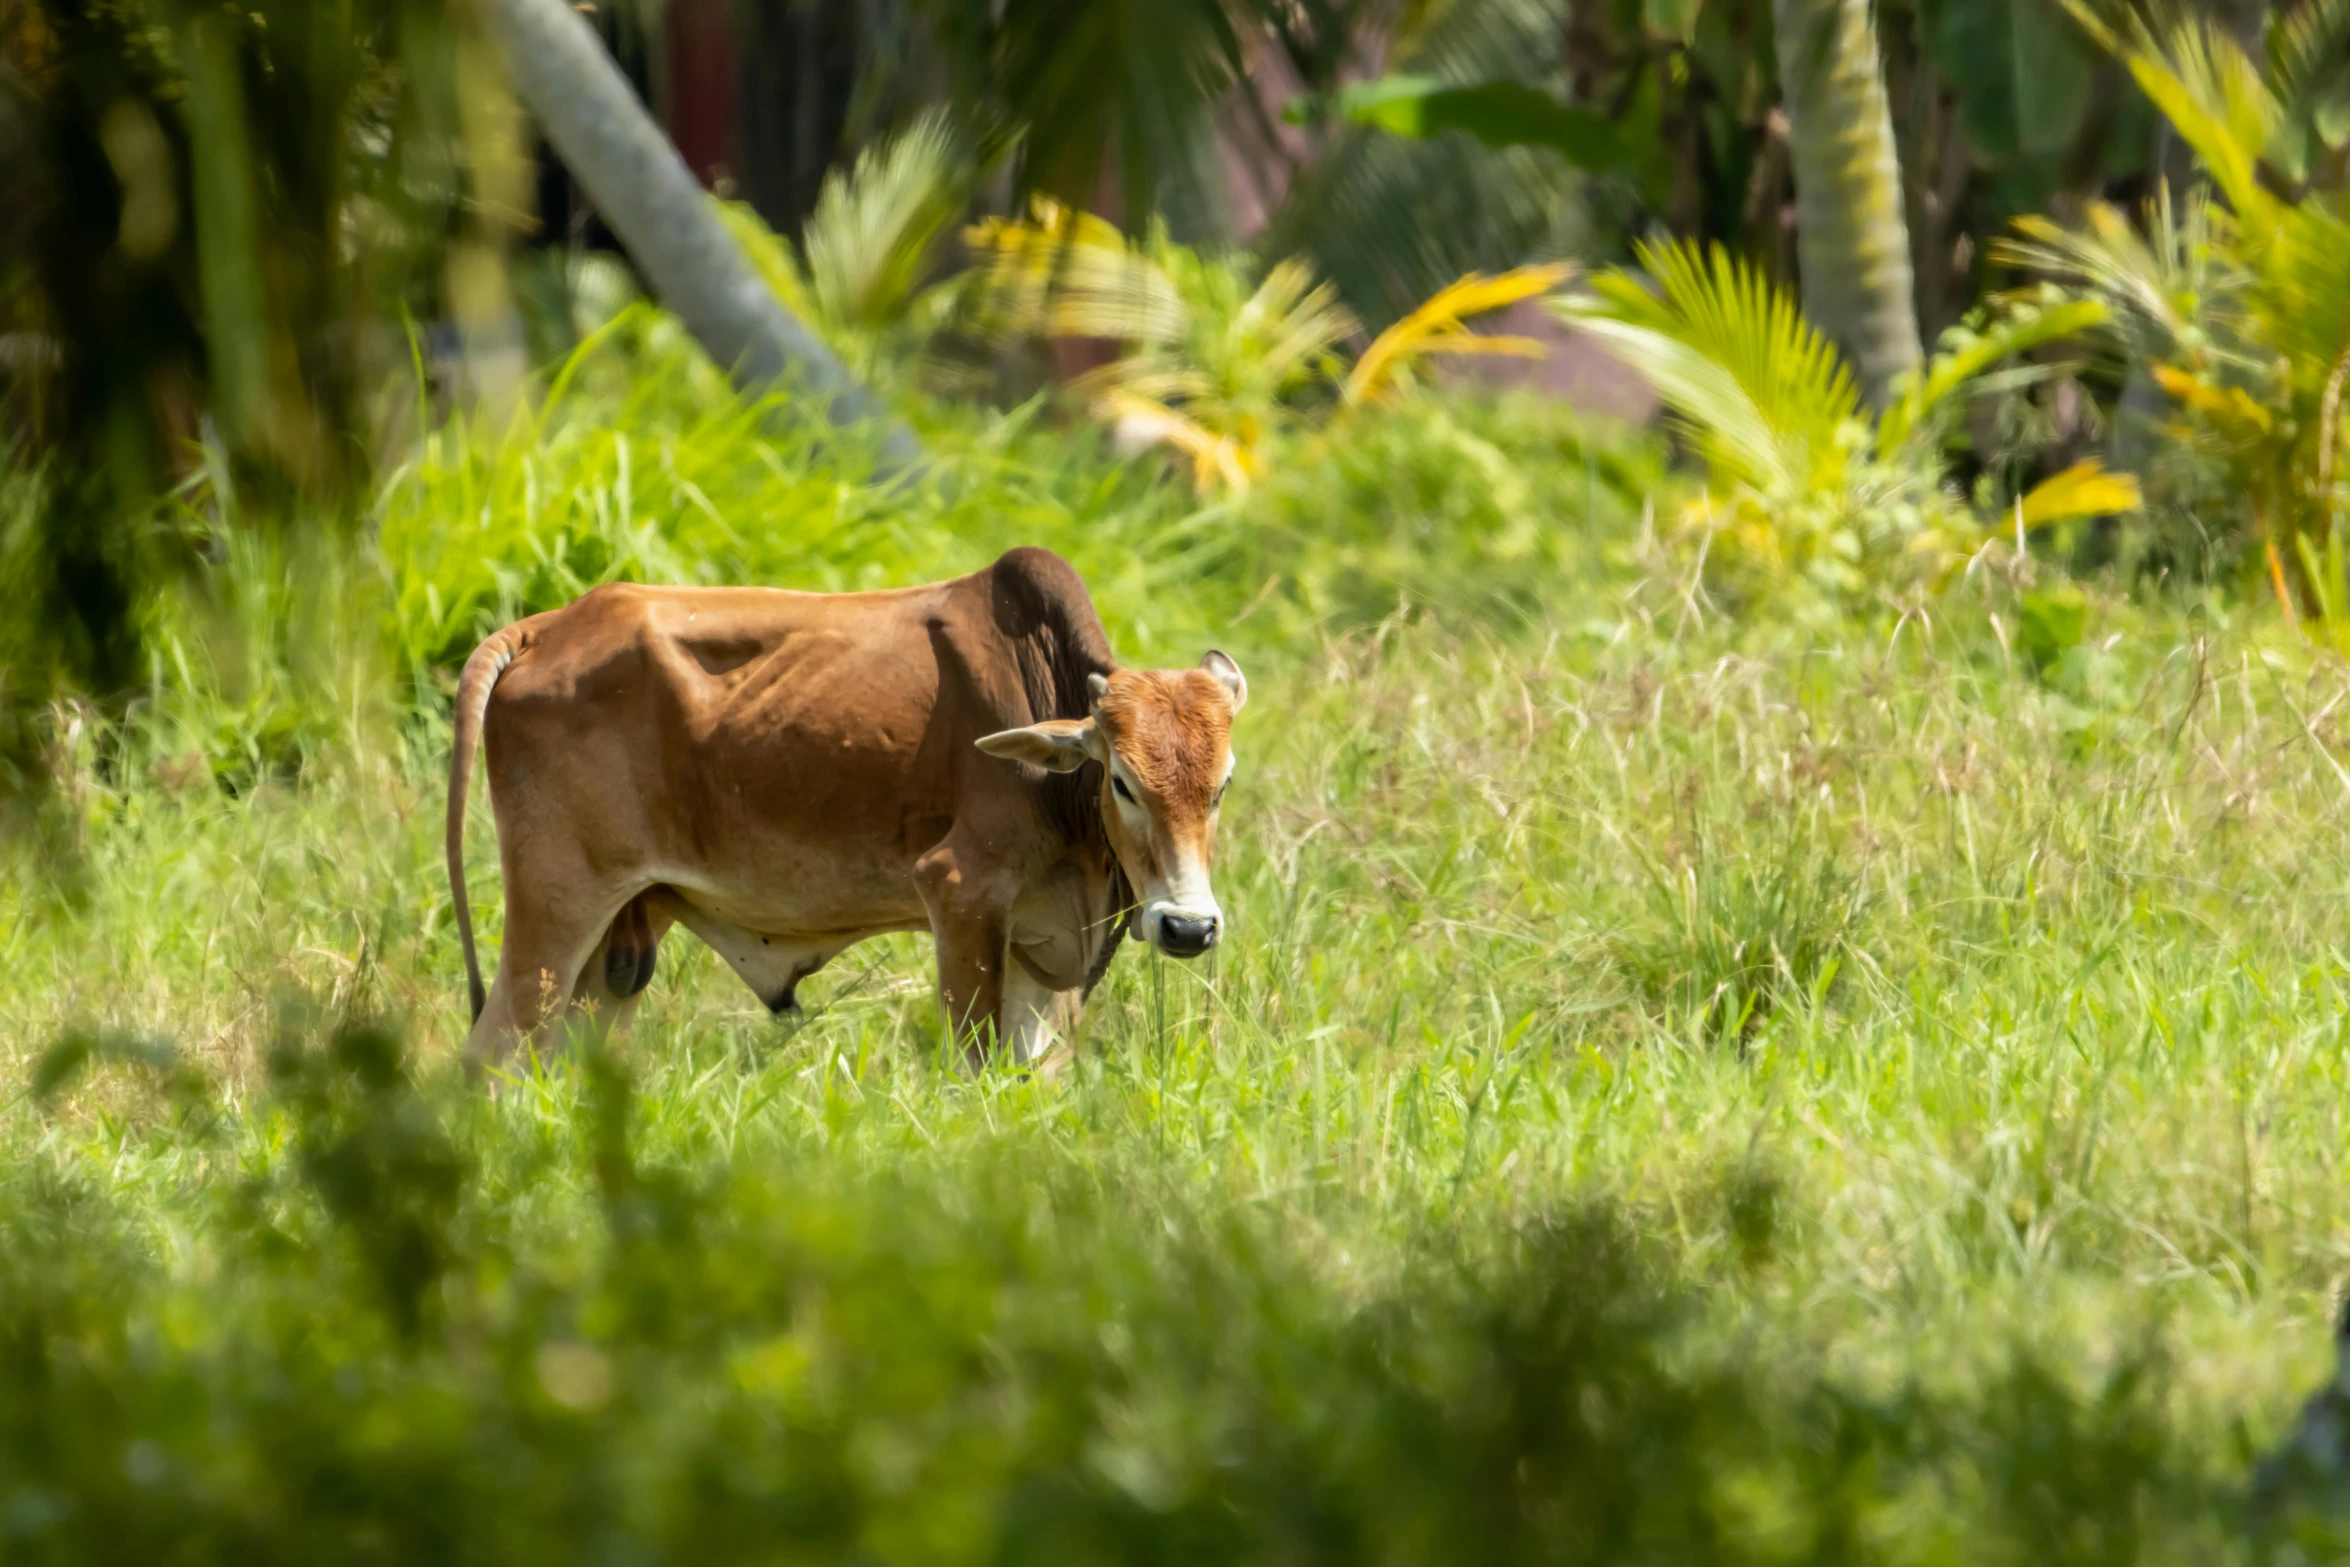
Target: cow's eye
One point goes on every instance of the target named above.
(1218, 797)
(1119, 784)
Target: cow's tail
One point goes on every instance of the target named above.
(482, 670)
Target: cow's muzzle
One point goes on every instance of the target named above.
(1185, 935)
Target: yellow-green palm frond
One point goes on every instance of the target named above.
(1766, 397)
(876, 224)
(1197, 339)
(2116, 264)
(2232, 412)
(1065, 273)
(2086, 489)
(1037, 240)
(2205, 85)
(1439, 327)
(2304, 293)
(1967, 350)
(1126, 298)
(770, 256)
(1163, 375)
(2309, 70)
(2308, 47)
(1291, 322)
(1230, 459)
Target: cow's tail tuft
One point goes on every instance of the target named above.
(482, 670)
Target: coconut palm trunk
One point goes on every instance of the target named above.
(1850, 240)
(653, 203)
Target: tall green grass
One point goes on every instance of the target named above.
(1678, 1089)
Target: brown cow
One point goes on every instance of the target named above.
(786, 774)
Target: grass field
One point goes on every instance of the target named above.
(1678, 1089)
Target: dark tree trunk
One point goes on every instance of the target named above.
(800, 67)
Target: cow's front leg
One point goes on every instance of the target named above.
(970, 923)
(1039, 1021)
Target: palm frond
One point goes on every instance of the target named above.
(2309, 70)
(2137, 277)
(1217, 457)
(1097, 85)
(2304, 292)
(1066, 273)
(1293, 320)
(2308, 48)
(1766, 396)
(1439, 326)
(1967, 350)
(1162, 375)
(2205, 85)
(876, 225)
(1206, 358)
(2086, 489)
(770, 256)
(2228, 404)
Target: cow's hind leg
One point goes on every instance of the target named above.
(549, 940)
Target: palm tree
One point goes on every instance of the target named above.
(655, 206)
(2235, 300)
(1851, 242)
(1804, 487)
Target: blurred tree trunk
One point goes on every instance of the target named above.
(652, 202)
(1850, 241)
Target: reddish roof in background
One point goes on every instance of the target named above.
(699, 96)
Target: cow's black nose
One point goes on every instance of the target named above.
(1181, 936)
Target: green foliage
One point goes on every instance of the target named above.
(1677, 1088)
(1389, 220)
(1194, 329)
(2309, 67)
(865, 268)
(640, 465)
(1208, 363)
(2050, 623)
(1766, 394)
(1499, 114)
(869, 243)
(1808, 488)
(812, 1365)
(2237, 304)
(1089, 90)
(213, 214)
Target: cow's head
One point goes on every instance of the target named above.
(1164, 739)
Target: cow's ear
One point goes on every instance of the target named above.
(1059, 745)
(1228, 675)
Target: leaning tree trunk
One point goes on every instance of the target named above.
(1850, 241)
(642, 189)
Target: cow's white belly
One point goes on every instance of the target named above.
(773, 944)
